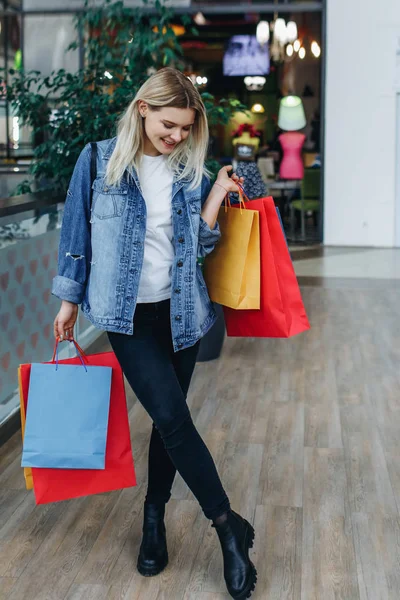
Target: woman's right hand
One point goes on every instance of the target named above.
(65, 321)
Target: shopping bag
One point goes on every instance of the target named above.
(67, 416)
(52, 485)
(232, 270)
(282, 313)
(27, 470)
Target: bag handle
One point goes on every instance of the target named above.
(242, 199)
(241, 188)
(81, 353)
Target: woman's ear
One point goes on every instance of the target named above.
(143, 108)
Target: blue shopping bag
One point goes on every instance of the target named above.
(67, 416)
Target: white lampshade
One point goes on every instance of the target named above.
(291, 29)
(262, 33)
(291, 114)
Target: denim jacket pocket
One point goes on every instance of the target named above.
(108, 201)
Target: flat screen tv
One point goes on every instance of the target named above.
(245, 56)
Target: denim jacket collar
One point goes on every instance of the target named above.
(176, 186)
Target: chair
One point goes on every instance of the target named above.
(310, 199)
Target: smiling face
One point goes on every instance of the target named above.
(165, 128)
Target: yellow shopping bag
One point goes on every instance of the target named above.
(27, 470)
(232, 270)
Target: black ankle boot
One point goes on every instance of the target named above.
(153, 555)
(236, 536)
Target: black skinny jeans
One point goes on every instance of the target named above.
(160, 379)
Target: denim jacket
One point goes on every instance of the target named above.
(101, 250)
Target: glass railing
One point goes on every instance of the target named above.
(29, 237)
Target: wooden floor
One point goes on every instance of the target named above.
(305, 433)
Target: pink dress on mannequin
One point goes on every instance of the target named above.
(292, 163)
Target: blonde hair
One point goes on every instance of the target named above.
(167, 87)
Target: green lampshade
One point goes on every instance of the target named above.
(291, 114)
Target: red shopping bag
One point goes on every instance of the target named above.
(52, 485)
(282, 313)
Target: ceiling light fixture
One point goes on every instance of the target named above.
(200, 19)
(262, 32)
(291, 30)
(257, 108)
(315, 49)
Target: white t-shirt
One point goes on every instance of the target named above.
(156, 182)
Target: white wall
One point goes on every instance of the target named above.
(360, 147)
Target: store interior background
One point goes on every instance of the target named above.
(361, 189)
(204, 57)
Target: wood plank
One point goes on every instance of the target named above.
(12, 476)
(322, 416)
(10, 500)
(277, 552)
(370, 559)
(204, 596)
(51, 571)
(88, 592)
(10, 451)
(21, 514)
(281, 477)
(15, 554)
(104, 554)
(329, 568)
(369, 485)
(6, 585)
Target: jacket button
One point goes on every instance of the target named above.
(180, 345)
(179, 211)
(181, 240)
(178, 318)
(180, 264)
(177, 291)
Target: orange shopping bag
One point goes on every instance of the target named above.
(232, 270)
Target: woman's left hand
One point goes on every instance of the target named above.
(229, 183)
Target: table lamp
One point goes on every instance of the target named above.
(291, 119)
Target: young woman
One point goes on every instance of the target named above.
(130, 257)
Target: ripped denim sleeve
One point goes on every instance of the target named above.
(74, 251)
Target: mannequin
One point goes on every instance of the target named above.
(246, 140)
(245, 150)
(292, 166)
